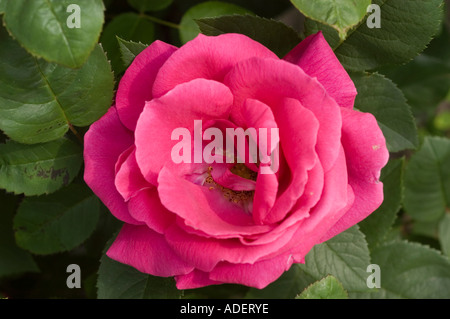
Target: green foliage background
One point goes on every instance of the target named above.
(56, 81)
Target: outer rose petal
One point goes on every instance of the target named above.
(366, 153)
(104, 142)
(147, 251)
(135, 87)
(257, 275)
(208, 58)
(199, 99)
(195, 279)
(317, 59)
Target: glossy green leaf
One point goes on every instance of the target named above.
(402, 35)
(410, 270)
(326, 288)
(275, 35)
(44, 28)
(189, 29)
(345, 256)
(427, 181)
(129, 50)
(381, 97)
(342, 15)
(129, 26)
(444, 234)
(149, 5)
(120, 281)
(58, 222)
(13, 260)
(378, 224)
(40, 100)
(40, 168)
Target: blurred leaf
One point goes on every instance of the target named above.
(410, 270)
(381, 97)
(41, 26)
(189, 29)
(120, 281)
(342, 15)
(326, 288)
(275, 35)
(57, 222)
(427, 181)
(2, 6)
(129, 26)
(378, 224)
(129, 50)
(40, 168)
(150, 5)
(444, 234)
(402, 36)
(13, 260)
(425, 81)
(442, 121)
(39, 100)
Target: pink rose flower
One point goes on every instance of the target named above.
(216, 223)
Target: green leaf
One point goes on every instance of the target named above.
(40, 168)
(2, 6)
(342, 15)
(444, 234)
(427, 181)
(13, 260)
(189, 29)
(378, 224)
(130, 26)
(275, 35)
(327, 288)
(149, 5)
(345, 256)
(120, 281)
(402, 36)
(40, 100)
(42, 27)
(380, 96)
(57, 222)
(129, 50)
(410, 270)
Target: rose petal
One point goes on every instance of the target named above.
(203, 208)
(196, 100)
(208, 58)
(147, 251)
(366, 153)
(257, 275)
(103, 143)
(135, 87)
(317, 59)
(205, 253)
(195, 279)
(129, 179)
(271, 81)
(146, 207)
(298, 133)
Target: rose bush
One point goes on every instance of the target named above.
(217, 223)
